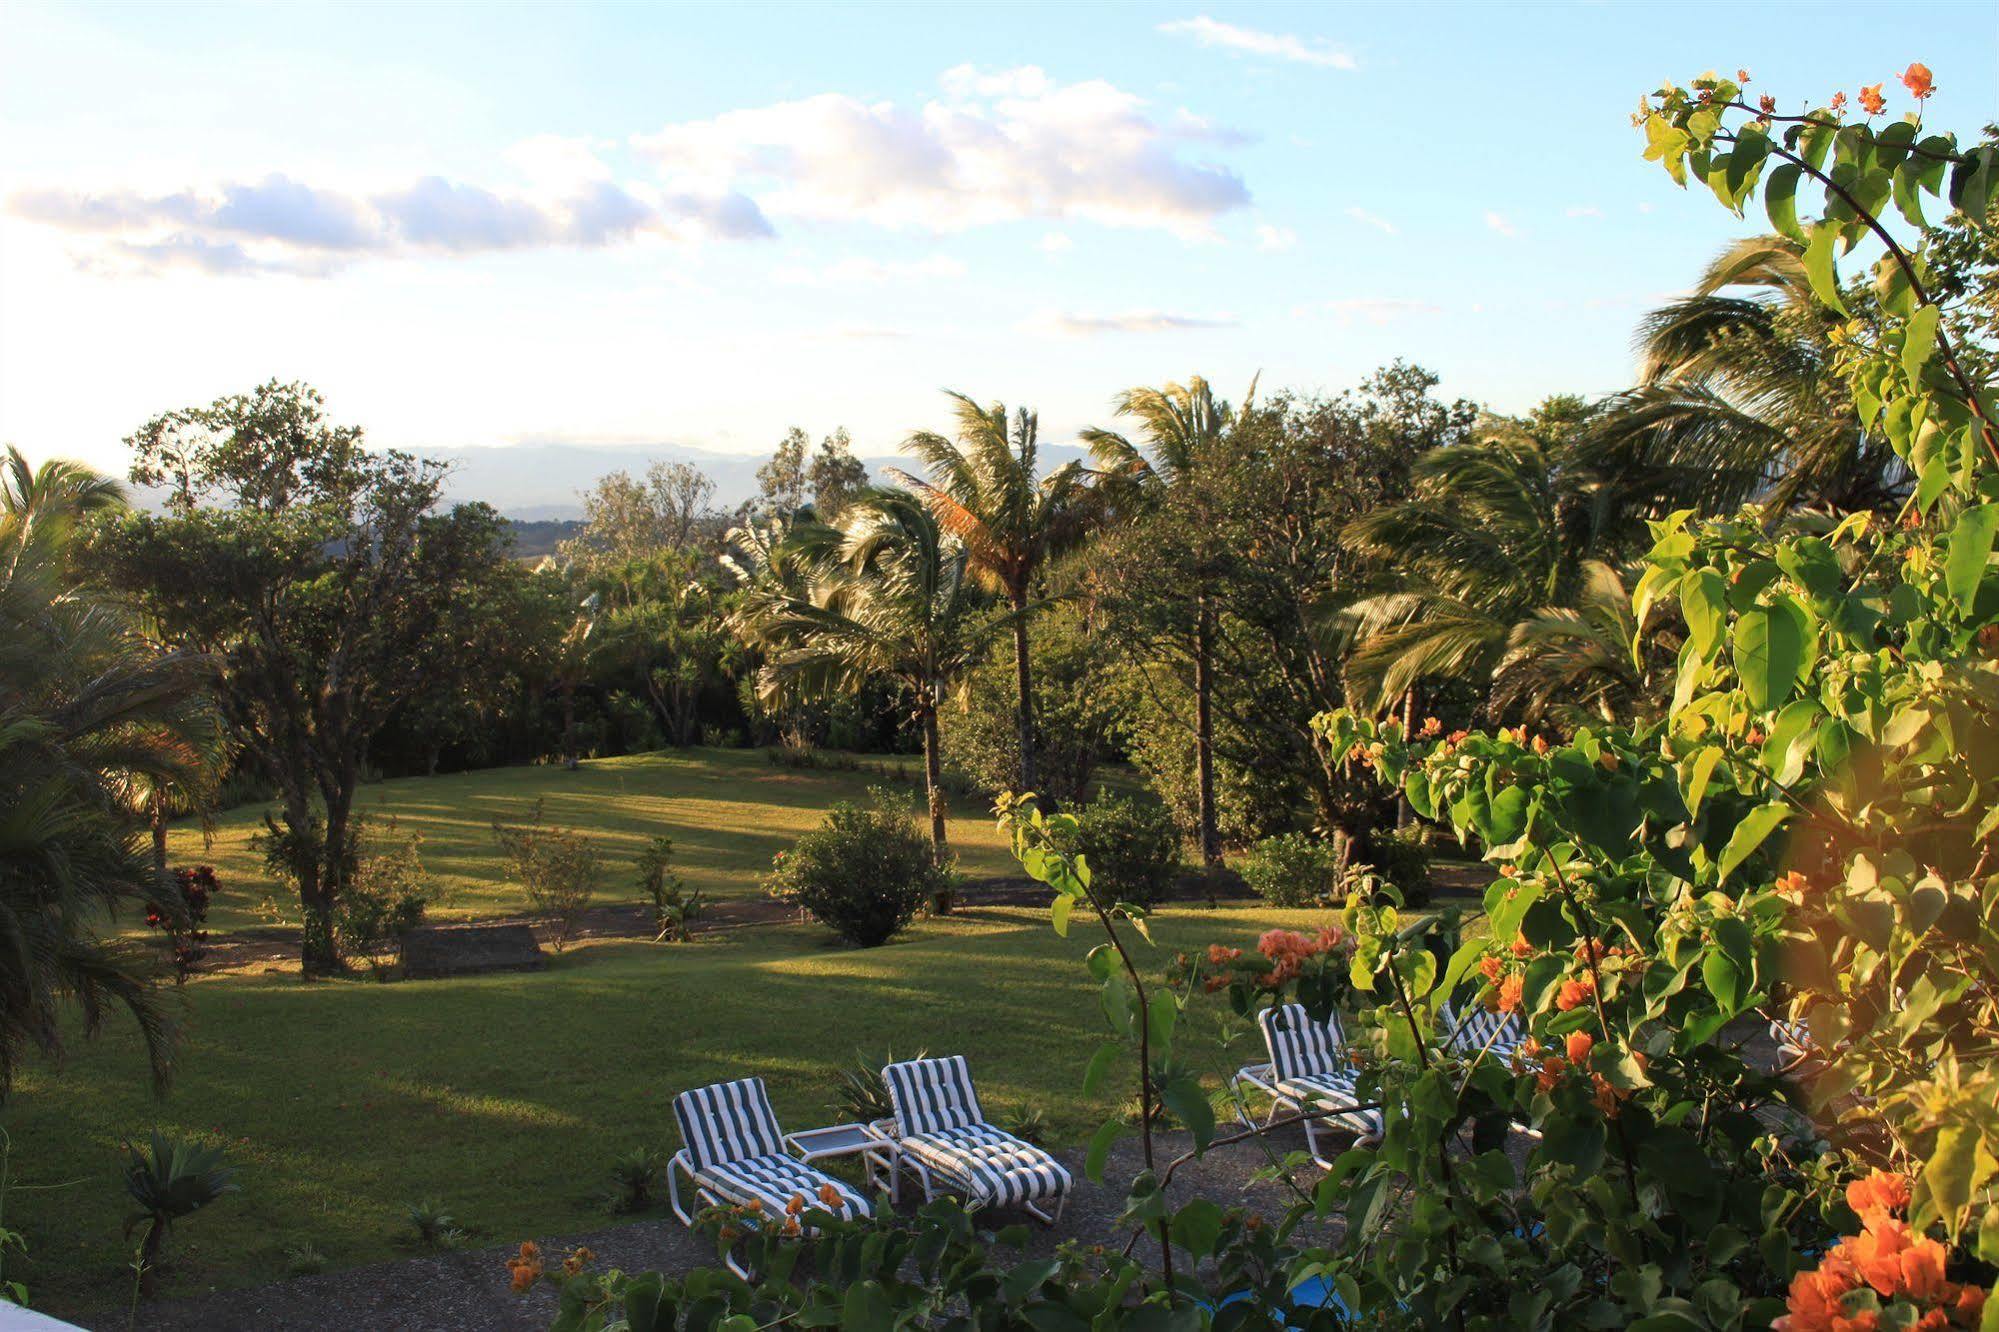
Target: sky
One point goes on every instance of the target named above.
(480, 225)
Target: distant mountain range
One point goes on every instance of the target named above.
(542, 482)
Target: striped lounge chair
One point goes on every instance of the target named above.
(944, 1140)
(1308, 1070)
(1794, 1042)
(1474, 1028)
(734, 1153)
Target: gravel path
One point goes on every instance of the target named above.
(467, 1292)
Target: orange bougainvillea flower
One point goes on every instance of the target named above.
(1508, 998)
(1578, 1046)
(1916, 78)
(1871, 100)
(1838, 102)
(1521, 948)
(1490, 968)
(1540, 745)
(830, 1197)
(1881, 1194)
(1766, 103)
(1876, 1254)
(1219, 956)
(1550, 1072)
(1574, 994)
(795, 1205)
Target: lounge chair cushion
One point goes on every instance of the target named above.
(1477, 1028)
(932, 1095)
(994, 1168)
(729, 1121)
(774, 1180)
(1335, 1089)
(1300, 1046)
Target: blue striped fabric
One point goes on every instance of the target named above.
(1794, 1039)
(775, 1181)
(1479, 1028)
(729, 1121)
(932, 1095)
(1336, 1089)
(1300, 1047)
(992, 1167)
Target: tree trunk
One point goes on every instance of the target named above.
(1405, 813)
(933, 782)
(568, 726)
(1204, 732)
(1024, 683)
(156, 812)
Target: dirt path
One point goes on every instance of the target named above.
(467, 1292)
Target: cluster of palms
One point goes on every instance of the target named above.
(99, 728)
(1503, 570)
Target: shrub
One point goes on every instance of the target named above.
(176, 1178)
(194, 890)
(860, 1096)
(673, 907)
(635, 1177)
(304, 1259)
(1027, 1123)
(1402, 856)
(1293, 870)
(383, 902)
(432, 1226)
(558, 867)
(865, 872)
(1132, 845)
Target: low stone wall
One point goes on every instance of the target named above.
(463, 950)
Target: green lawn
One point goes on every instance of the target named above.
(507, 1096)
(728, 811)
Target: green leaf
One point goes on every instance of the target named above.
(1100, 1149)
(1755, 828)
(1101, 1064)
(867, 1308)
(1970, 547)
(1820, 266)
(1920, 342)
(1197, 1227)
(1059, 913)
(1704, 602)
(1189, 1104)
(1769, 650)
(1699, 769)
(1780, 200)
(1948, 1174)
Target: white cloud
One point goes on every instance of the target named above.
(1585, 210)
(996, 147)
(283, 225)
(1374, 220)
(1645, 208)
(1134, 321)
(1499, 223)
(1377, 310)
(1276, 239)
(859, 271)
(1250, 41)
(1055, 242)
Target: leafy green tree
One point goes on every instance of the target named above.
(986, 491)
(1180, 426)
(835, 475)
(661, 627)
(90, 712)
(317, 572)
(1740, 396)
(886, 593)
(781, 482)
(626, 519)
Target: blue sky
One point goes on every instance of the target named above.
(700, 225)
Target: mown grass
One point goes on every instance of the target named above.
(506, 1097)
(728, 811)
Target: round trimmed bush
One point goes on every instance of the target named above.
(1292, 870)
(865, 872)
(1132, 845)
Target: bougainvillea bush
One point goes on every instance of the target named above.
(1809, 831)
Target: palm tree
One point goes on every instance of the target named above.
(1739, 398)
(984, 491)
(1575, 664)
(89, 712)
(1180, 424)
(890, 595)
(1496, 531)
